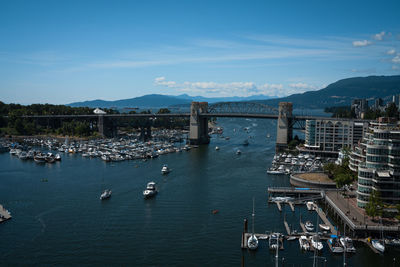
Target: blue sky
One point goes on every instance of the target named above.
(65, 51)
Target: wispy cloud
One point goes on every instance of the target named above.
(234, 88)
(379, 36)
(396, 59)
(361, 43)
(391, 52)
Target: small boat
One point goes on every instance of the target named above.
(291, 238)
(378, 245)
(23, 155)
(165, 169)
(150, 190)
(238, 152)
(105, 157)
(309, 226)
(274, 241)
(275, 171)
(217, 148)
(57, 157)
(39, 158)
(268, 135)
(347, 243)
(334, 244)
(304, 243)
(310, 205)
(215, 211)
(324, 227)
(252, 242)
(316, 243)
(106, 194)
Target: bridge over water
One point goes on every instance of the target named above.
(199, 114)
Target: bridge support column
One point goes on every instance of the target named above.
(198, 134)
(100, 125)
(284, 126)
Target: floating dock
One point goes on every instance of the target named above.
(4, 214)
(246, 236)
(278, 204)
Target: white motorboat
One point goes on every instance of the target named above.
(58, 157)
(252, 242)
(165, 169)
(105, 157)
(347, 243)
(275, 171)
(106, 194)
(310, 205)
(274, 241)
(378, 245)
(324, 227)
(150, 190)
(238, 152)
(304, 243)
(217, 148)
(23, 155)
(316, 243)
(334, 245)
(309, 226)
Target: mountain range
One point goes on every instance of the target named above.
(157, 100)
(342, 92)
(339, 93)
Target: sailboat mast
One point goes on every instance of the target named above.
(253, 217)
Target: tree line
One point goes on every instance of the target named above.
(13, 123)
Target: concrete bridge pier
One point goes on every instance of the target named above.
(100, 125)
(106, 127)
(198, 134)
(284, 126)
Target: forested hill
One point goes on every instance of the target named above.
(341, 93)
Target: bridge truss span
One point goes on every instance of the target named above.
(249, 108)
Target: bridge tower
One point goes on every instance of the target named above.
(198, 134)
(284, 125)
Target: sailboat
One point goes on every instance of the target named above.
(252, 242)
(379, 244)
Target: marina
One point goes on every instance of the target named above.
(197, 195)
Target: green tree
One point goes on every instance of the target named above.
(374, 206)
(391, 111)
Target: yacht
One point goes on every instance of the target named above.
(150, 190)
(378, 245)
(106, 194)
(252, 242)
(309, 226)
(334, 244)
(165, 169)
(304, 243)
(347, 243)
(316, 243)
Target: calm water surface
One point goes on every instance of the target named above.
(62, 222)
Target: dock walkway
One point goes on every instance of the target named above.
(323, 217)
